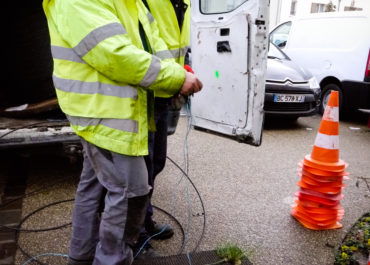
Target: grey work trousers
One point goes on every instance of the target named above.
(108, 240)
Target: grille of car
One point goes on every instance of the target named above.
(291, 91)
(288, 107)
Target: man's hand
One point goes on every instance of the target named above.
(191, 85)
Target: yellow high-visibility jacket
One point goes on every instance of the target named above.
(102, 74)
(177, 40)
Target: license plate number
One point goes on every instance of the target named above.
(288, 98)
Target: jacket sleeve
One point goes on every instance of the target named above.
(159, 47)
(95, 33)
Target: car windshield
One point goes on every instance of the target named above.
(276, 53)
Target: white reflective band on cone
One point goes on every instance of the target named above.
(327, 141)
(331, 114)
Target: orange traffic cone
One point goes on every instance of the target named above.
(322, 174)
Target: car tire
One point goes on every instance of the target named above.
(325, 93)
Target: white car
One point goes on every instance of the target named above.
(334, 47)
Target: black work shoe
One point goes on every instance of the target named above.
(159, 231)
(146, 253)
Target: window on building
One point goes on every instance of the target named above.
(352, 8)
(293, 7)
(321, 8)
(317, 8)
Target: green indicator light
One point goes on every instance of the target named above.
(217, 74)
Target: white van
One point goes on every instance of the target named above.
(335, 48)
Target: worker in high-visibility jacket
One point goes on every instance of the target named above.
(105, 82)
(173, 20)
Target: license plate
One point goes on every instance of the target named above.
(288, 98)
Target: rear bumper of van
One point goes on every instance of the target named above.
(356, 95)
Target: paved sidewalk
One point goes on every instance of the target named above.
(247, 192)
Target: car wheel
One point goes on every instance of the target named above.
(325, 94)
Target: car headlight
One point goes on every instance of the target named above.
(314, 84)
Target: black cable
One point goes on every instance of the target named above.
(17, 232)
(32, 193)
(36, 230)
(201, 202)
(18, 229)
(178, 223)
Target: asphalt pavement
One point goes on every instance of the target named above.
(246, 191)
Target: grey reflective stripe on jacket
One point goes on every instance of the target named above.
(88, 43)
(152, 73)
(116, 124)
(172, 54)
(150, 17)
(81, 87)
(67, 54)
(98, 35)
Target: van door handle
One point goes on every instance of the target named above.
(223, 46)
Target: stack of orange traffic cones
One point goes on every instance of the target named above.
(322, 174)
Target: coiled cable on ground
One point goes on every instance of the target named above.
(32, 258)
(18, 229)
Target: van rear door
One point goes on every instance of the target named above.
(229, 42)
